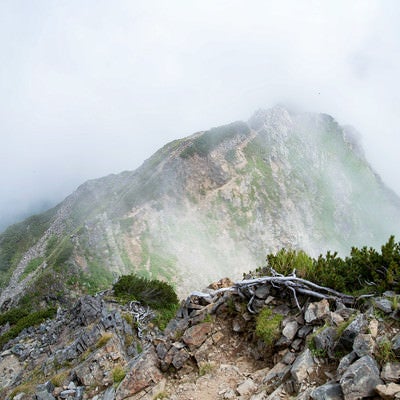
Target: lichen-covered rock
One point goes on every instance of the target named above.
(325, 340)
(357, 326)
(360, 379)
(364, 344)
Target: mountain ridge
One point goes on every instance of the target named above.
(208, 205)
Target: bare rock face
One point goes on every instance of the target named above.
(97, 369)
(196, 335)
(303, 367)
(10, 367)
(143, 374)
(361, 379)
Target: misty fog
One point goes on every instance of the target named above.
(92, 88)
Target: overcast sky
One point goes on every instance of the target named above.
(89, 88)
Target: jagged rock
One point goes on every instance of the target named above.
(96, 370)
(359, 325)
(290, 330)
(329, 391)
(345, 362)
(304, 331)
(176, 325)
(364, 344)
(109, 394)
(316, 311)
(196, 335)
(247, 387)
(45, 387)
(87, 310)
(305, 394)
(288, 358)
(296, 344)
(324, 340)
(66, 394)
(277, 394)
(360, 379)
(143, 374)
(336, 318)
(162, 350)
(391, 372)
(282, 309)
(383, 304)
(180, 358)
(303, 367)
(43, 395)
(389, 391)
(279, 373)
(396, 345)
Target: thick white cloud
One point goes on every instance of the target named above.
(94, 87)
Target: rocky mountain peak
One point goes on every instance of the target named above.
(272, 118)
(206, 206)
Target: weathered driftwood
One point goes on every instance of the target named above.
(142, 315)
(292, 284)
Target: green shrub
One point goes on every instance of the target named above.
(385, 352)
(152, 292)
(353, 274)
(32, 319)
(13, 316)
(164, 315)
(267, 326)
(118, 374)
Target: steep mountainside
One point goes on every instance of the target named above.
(205, 206)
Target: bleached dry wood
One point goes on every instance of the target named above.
(291, 283)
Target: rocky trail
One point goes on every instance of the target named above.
(252, 341)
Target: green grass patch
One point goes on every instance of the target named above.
(268, 326)
(118, 374)
(31, 267)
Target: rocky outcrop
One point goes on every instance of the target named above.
(207, 205)
(323, 350)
